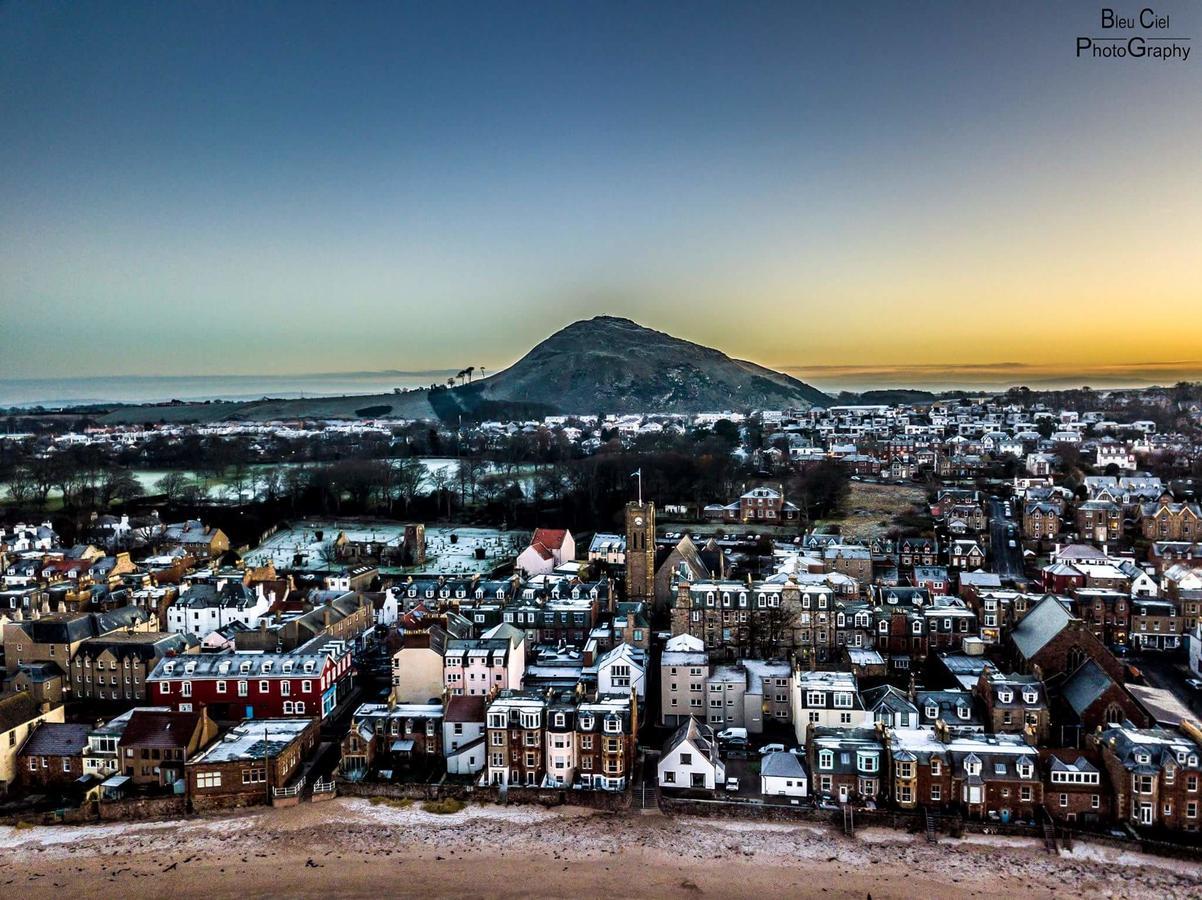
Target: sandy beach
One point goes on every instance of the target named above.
(352, 848)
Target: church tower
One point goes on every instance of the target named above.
(640, 551)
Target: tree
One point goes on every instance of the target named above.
(172, 486)
(468, 473)
(328, 554)
(408, 479)
(770, 630)
(821, 489)
(118, 485)
(440, 481)
(21, 486)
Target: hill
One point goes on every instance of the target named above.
(599, 365)
(608, 364)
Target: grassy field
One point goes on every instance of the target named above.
(871, 507)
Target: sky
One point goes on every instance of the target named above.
(880, 191)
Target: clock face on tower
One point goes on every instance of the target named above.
(638, 520)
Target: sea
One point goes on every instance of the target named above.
(23, 393)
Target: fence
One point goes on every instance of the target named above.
(294, 791)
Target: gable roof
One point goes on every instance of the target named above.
(551, 538)
(57, 739)
(1045, 620)
(160, 729)
(16, 710)
(782, 764)
(1085, 686)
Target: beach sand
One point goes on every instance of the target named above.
(352, 848)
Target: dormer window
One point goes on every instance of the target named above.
(1030, 697)
(962, 711)
(1005, 696)
(826, 759)
(932, 711)
(1143, 758)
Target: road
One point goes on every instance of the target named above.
(1169, 671)
(1007, 560)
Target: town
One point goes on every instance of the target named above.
(941, 615)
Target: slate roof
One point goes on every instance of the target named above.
(15, 710)
(160, 729)
(782, 764)
(1085, 686)
(699, 735)
(1045, 620)
(57, 739)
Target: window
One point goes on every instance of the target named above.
(669, 777)
(243, 688)
(826, 759)
(264, 687)
(221, 687)
(254, 776)
(936, 792)
(686, 759)
(205, 780)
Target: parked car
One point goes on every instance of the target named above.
(771, 748)
(1195, 683)
(732, 785)
(731, 734)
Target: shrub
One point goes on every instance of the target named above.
(443, 807)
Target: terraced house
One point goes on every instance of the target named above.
(115, 667)
(847, 764)
(1156, 774)
(981, 776)
(1168, 521)
(560, 740)
(734, 619)
(305, 683)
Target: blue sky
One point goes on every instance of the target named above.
(275, 188)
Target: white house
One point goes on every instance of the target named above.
(549, 548)
(204, 608)
(826, 698)
(690, 759)
(463, 735)
(621, 669)
(783, 775)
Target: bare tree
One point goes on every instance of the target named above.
(172, 486)
(408, 479)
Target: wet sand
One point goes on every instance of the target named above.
(351, 848)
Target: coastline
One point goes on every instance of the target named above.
(353, 848)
